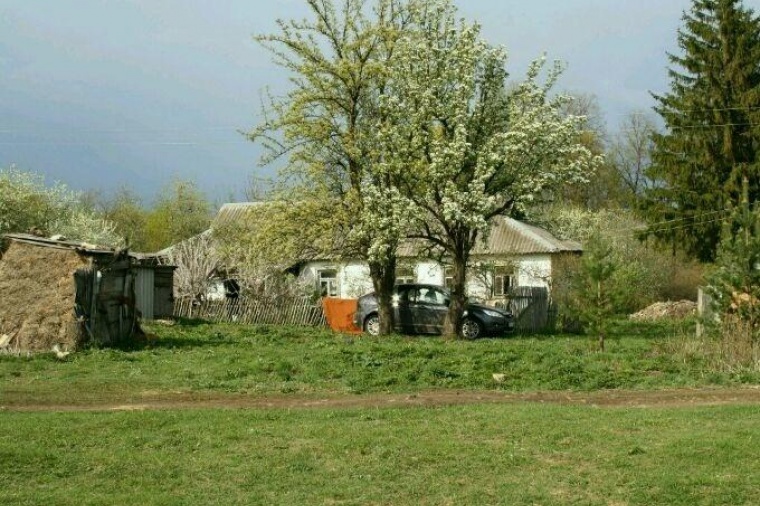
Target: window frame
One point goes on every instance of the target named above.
(406, 275)
(503, 278)
(448, 277)
(328, 286)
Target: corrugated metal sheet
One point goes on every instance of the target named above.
(508, 237)
(144, 292)
(233, 213)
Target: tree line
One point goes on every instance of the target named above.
(30, 204)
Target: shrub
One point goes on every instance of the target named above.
(27, 203)
(644, 273)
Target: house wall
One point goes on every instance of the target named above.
(534, 270)
(429, 272)
(353, 278)
(215, 290)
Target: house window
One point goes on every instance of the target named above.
(405, 275)
(503, 280)
(448, 277)
(328, 282)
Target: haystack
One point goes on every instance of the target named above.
(36, 297)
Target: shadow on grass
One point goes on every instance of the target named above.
(192, 322)
(169, 343)
(184, 334)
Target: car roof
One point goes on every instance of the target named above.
(421, 285)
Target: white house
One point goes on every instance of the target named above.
(515, 255)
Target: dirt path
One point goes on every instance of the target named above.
(605, 398)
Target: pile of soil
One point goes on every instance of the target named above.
(37, 297)
(670, 310)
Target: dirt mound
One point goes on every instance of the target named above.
(660, 310)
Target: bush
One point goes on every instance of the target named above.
(644, 274)
(27, 203)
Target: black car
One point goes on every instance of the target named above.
(422, 309)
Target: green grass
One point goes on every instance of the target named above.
(488, 454)
(507, 453)
(198, 357)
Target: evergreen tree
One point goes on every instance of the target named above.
(593, 294)
(712, 134)
(735, 283)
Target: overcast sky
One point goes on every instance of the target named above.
(105, 93)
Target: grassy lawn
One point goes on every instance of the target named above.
(505, 453)
(199, 357)
(487, 454)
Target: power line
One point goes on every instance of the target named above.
(653, 227)
(687, 225)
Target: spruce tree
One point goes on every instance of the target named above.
(735, 282)
(712, 127)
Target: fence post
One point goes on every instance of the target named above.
(704, 309)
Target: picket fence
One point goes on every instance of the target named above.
(301, 311)
(530, 305)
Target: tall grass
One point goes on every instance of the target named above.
(728, 348)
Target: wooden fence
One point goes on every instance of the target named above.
(530, 305)
(532, 308)
(270, 311)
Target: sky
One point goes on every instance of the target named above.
(105, 94)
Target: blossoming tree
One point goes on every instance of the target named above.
(472, 147)
(324, 129)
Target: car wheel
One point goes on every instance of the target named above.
(372, 325)
(471, 329)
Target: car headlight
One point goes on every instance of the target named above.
(493, 314)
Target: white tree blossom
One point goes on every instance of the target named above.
(27, 203)
(470, 147)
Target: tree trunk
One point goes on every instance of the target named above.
(383, 279)
(458, 298)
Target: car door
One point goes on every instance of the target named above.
(432, 309)
(405, 309)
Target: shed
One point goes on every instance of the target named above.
(66, 293)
